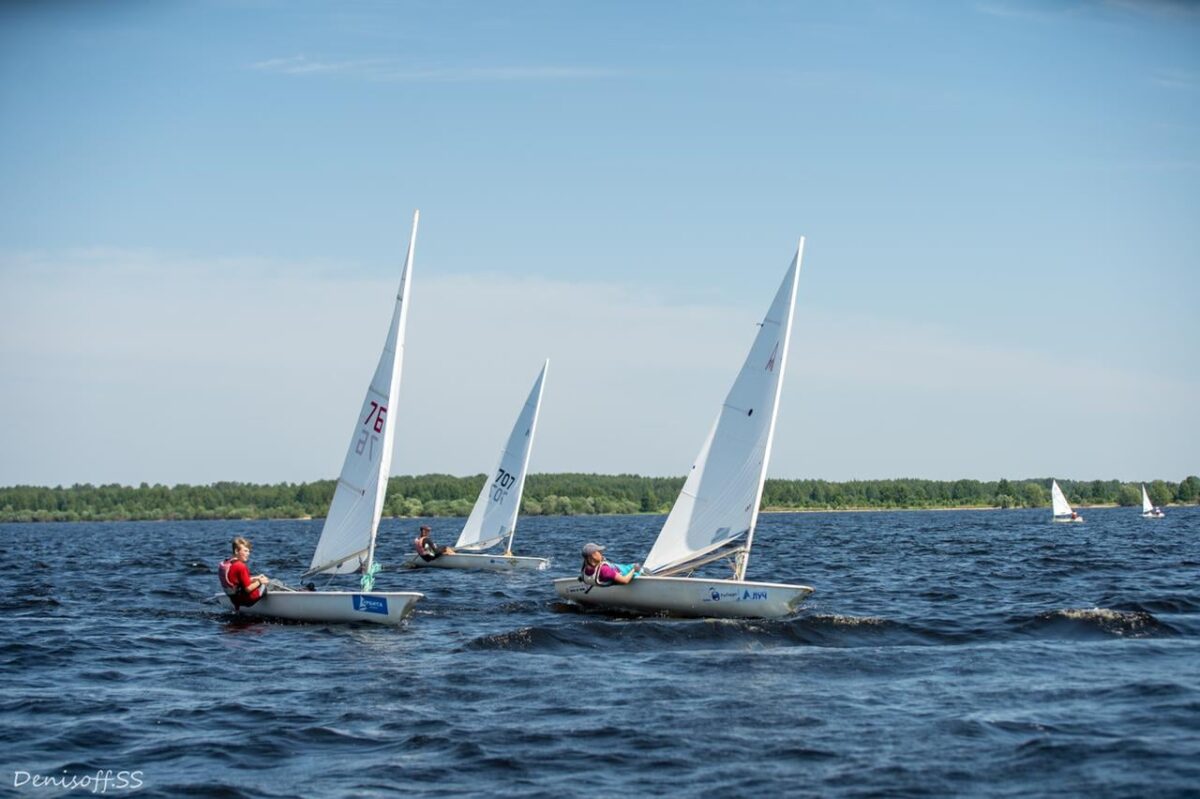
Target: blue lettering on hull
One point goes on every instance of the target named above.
(370, 604)
(745, 595)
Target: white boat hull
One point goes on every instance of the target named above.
(470, 560)
(1068, 520)
(689, 596)
(375, 607)
(1154, 515)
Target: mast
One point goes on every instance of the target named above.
(537, 409)
(494, 515)
(744, 560)
(398, 329)
(347, 541)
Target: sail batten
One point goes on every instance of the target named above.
(353, 517)
(494, 515)
(723, 490)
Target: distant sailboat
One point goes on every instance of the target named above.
(1062, 508)
(494, 517)
(717, 510)
(1149, 511)
(347, 542)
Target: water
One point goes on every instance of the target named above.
(985, 653)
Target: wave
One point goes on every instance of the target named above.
(656, 633)
(1080, 623)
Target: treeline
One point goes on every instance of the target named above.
(552, 494)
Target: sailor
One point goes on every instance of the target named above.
(242, 589)
(426, 548)
(597, 571)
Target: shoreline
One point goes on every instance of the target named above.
(909, 509)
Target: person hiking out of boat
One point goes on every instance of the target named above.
(426, 548)
(599, 572)
(234, 573)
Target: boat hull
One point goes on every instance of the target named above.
(334, 607)
(1153, 515)
(689, 596)
(1068, 520)
(470, 560)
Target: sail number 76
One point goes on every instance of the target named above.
(366, 438)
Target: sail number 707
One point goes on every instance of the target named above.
(502, 483)
(367, 438)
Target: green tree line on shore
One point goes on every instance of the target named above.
(553, 494)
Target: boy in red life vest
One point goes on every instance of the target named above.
(242, 589)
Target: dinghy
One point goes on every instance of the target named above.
(1149, 511)
(716, 512)
(347, 542)
(1062, 508)
(494, 517)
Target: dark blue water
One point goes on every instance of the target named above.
(943, 653)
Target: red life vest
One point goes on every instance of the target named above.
(223, 575)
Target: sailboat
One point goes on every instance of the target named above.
(347, 542)
(1149, 511)
(716, 512)
(494, 517)
(1062, 508)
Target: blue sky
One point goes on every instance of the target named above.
(204, 207)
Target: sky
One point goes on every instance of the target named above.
(204, 209)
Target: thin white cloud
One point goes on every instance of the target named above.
(1176, 79)
(391, 70)
(1043, 12)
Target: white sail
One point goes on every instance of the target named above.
(719, 501)
(1059, 502)
(494, 516)
(1146, 506)
(347, 540)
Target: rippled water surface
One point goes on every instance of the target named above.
(944, 653)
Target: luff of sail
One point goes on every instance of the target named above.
(494, 516)
(347, 542)
(718, 504)
(1058, 501)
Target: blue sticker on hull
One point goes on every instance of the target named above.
(370, 604)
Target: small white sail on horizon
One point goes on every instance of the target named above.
(1061, 508)
(1149, 511)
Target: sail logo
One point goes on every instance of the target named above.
(771, 360)
(370, 604)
